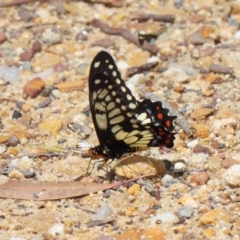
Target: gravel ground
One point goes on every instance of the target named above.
(46, 49)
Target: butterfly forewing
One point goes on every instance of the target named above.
(122, 123)
(111, 102)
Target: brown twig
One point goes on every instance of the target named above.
(8, 99)
(139, 69)
(220, 69)
(111, 3)
(94, 223)
(18, 2)
(127, 35)
(155, 17)
(181, 121)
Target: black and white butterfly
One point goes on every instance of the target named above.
(122, 123)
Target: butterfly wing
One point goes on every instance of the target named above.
(122, 123)
(112, 104)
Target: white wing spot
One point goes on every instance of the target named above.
(111, 105)
(97, 81)
(101, 118)
(142, 117)
(114, 73)
(118, 100)
(94, 95)
(114, 93)
(110, 87)
(106, 82)
(123, 88)
(118, 81)
(110, 66)
(133, 121)
(123, 107)
(146, 121)
(116, 128)
(103, 94)
(121, 135)
(129, 97)
(132, 105)
(96, 64)
(130, 140)
(134, 132)
(129, 114)
(117, 120)
(114, 112)
(107, 98)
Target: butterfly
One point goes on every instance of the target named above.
(122, 123)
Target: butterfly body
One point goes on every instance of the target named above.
(122, 123)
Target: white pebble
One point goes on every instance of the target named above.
(192, 144)
(219, 125)
(83, 145)
(177, 75)
(56, 93)
(122, 65)
(185, 212)
(137, 79)
(3, 179)
(232, 175)
(237, 35)
(153, 59)
(103, 213)
(179, 167)
(167, 217)
(167, 180)
(187, 68)
(56, 229)
(43, 74)
(2, 149)
(80, 118)
(9, 73)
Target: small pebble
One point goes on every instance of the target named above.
(47, 91)
(16, 114)
(192, 144)
(26, 65)
(156, 207)
(200, 178)
(13, 141)
(2, 37)
(36, 47)
(2, 149)
(45, 103)
(232, 175)
(26, 56)
(166, 217)
(107, 194)
(51, 125)
(4, 138)
(185, 212)
(16, 175)
(56, 229)
(167, 180)
(56, 93)
(60, 67)
(9, 73)
(179, 167)
(34, 87)
(103, 213)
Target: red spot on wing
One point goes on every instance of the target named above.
(160, 116)
(168, 123)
